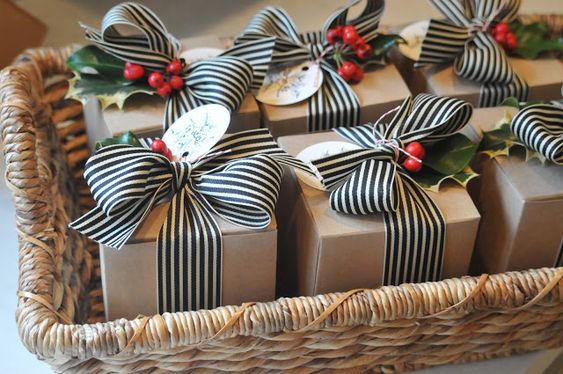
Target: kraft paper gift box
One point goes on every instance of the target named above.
(143, 114)
(325, 251)
(521, 205)
(129, 277)
(379, 91)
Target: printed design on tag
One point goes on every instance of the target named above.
(198, 54)
(414, 35)
(317, 151)
(197, 131)
(285, 85)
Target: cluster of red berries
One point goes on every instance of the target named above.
(502, 34)
(163, 83)
(348, 35)
(159, 146)
(417, 153)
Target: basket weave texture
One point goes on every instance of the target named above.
(60, 308)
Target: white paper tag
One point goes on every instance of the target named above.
(414, 35)
(285, 85)
(320, 150)
(197, 54)
(196, 132)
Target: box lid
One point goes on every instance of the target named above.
(533, 180)
(453, 200)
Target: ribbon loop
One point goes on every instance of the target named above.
(540, 127)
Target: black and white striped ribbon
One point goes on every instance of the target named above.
(238, 180)
(133, 33)
(272, 38)
(540, 127)
(371, 180)
(474, 52)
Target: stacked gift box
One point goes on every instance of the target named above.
(380, 221)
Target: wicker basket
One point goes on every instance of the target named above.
(60, 310)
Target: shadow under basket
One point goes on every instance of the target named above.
(60, 310)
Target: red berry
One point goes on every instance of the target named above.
(159, 146)
(501, 28)
(357, 43)
(176, 82)
(364, 51)
(511, 40)
(412, 165)
(332, 36)
(156, 80)
(133, 72)
(349, 35)
(347, 70)
(358, 74)
(174, 67)
(168, 154)
(416, 149)
(500, 38)
(164, 90)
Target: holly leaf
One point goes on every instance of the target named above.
(432, 180)
(498, 142)
(92, 60)
(450, 156)
(381, 45)
(533, 39)
(513, 102)
(127, 138)
(83, 86)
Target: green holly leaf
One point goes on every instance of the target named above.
(513, 102)
(431, 180)
(127, 138)
(381, 45)
(533, 39)
(450, 156)
(92, 60)
(498, 142)
(84, 86)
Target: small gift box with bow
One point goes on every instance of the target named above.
(366, 220)
(192, 216)
(482, 53)
(137, 77)
(319, 80)
(520, 192)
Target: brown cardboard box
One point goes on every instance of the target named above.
(143, 114)
(18, 31)
(129, 275)
(325, 251)
(544, 77)
(379, 91)
(521, 204)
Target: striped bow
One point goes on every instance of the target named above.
(540, 127)
(238, 180)
(133, 33)
(464, 39)
(272, 38)
(371, 180)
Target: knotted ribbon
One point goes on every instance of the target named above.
(272, 38)
(238, 180)
(463, 39)
(220, 80)
(370, 180)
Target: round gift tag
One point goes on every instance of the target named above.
(197, 54)
(320, 150)
(414, 35)
(196, 132)
(285, 85)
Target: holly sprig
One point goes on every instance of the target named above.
(351, 54)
